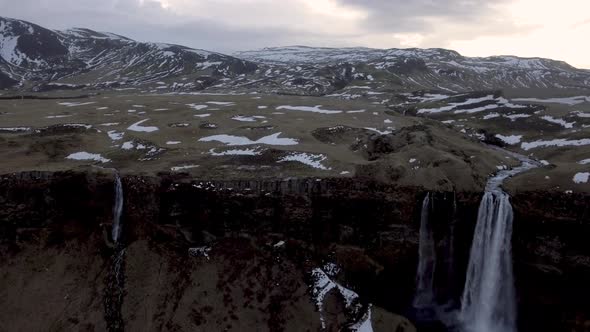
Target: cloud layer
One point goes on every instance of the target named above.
(230, 25)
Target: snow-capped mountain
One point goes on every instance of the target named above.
(33, 57)
(437, 69)
(39, 59)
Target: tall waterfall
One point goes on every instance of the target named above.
(424, 297)
(114, 290)
(117, 209)
(488, 303)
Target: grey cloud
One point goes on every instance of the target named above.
(149, 22)
(473, 18)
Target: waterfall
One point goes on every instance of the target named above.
(117, 209)
(488, 303)
(114, 290)
(424, 297)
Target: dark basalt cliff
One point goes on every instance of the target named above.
(54, 230)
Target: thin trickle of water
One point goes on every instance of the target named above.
(114, 292)
(424, 297)
(117, 209)
(115, 279)
(488, 303)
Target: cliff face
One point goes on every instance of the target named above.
(239, 253)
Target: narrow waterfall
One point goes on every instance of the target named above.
(115, 279)
(424, 297)
(488, 303)
(117, 209)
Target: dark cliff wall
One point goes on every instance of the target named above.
(368, 228)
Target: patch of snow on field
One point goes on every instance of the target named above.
(357, 111)
(76, 125)
(15, 129)
(428, 97)
(561, 142)
(491, 116)
(580, 178)
(242, 118)
(173, 142)
(222, 103)
(514, 117)
(261, 107)
(314, 109)
(74, 104)
(127, 146)
(87, 156)
(477, 109)
(197, 106)
(571, 101)
(180, 168)
(365, 325)
(511, 140)
(584, 162)
(452, 106)
(115, 136)
(323, 284)
(241, 140)
(582, 114)
(309, 159)
(59, 116)
(202, 115)
(380, 132)
(235, 152)
(561, 122)
(499, 102)
(137, 128)
(109, 124)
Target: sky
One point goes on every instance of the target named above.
(529, 28)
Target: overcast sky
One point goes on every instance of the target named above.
(545, 28)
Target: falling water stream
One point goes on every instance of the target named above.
(424, 297)
(117, 209)
(488, 303)
(115, 279)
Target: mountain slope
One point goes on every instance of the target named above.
(35, 56)
(438, 69)
(39, 59)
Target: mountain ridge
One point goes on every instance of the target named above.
(373, 49)
(39, 59)
(36, 56)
